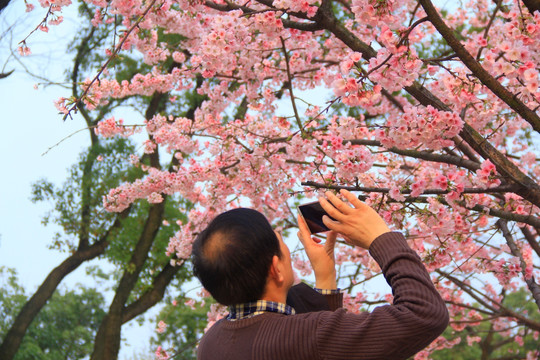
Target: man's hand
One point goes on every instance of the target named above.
(359, 224)
(320, 256)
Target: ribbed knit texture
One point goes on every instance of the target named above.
(417, 316)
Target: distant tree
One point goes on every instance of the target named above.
(183, 326)
(64, 328)
(493, 339)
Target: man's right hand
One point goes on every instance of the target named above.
(321, 256)
(359, 224)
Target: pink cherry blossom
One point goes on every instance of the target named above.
(379, 106)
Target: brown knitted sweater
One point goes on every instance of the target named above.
(417, 316)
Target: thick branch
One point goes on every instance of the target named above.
(532, 5)
(82, 51)
(496, 307)
(107, 341)
(424, 155)
(86, 196)
(489, 81)
(525, 219)
(531, 240)
(153, 295)
(529, 188)
(13, 338)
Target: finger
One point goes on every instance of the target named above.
(347, 240)
(331, 241)
(343, 207)
(331, 224)
(331, 238)
(331, 210)
(304, 234)
(352, 199)
(301, 238)
(304, 229)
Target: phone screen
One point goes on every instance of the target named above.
(313, 213)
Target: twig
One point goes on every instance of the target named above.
(531, 283)
(290, 87)
(113, 55)
(499, 3)
(498, 189)
(44, 21)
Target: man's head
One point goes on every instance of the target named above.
(233, 256)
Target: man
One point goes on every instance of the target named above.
(246, 266)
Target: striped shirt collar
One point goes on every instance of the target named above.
(247, 310)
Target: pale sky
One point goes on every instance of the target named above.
(30, 126)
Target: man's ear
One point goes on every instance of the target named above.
(276, 270)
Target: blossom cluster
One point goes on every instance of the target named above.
(420, 126)
(110, 127)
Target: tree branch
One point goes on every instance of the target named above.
(153, 295)
(531, 283)
(489, 81)
(532, 5)
(531, 240)
(525, 219)
(424, 155)
(497, 308)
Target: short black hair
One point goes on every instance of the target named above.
(232, 256)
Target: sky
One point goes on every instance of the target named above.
(30, 126)
(36, 143)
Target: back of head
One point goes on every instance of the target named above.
(232, 256)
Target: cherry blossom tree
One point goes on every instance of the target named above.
(431, 115)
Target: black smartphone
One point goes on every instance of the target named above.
(312, 214)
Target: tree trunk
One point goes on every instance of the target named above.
(15, 335)
(107, 341)
(153, 295)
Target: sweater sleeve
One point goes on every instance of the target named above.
(417, 316)
(305, 299)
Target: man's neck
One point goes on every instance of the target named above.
(275, 293)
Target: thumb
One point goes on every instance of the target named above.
(331, 240)
(330, 243)
(304, 234)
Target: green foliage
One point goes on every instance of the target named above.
(88, 181)
(492, 343)
(63, 329)
(185, 326)
(12, 297)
